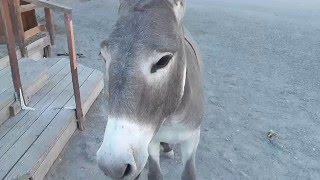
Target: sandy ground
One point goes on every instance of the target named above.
(262, 61)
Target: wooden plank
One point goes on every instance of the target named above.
(29, 75)
(92, 87)
(6, 99)
(15, 108)
(94, 93)
(8, 103)
(33, 48)
(31, 87)
(56, 73)
(33, 79)
(90, 90)
(31, 32)
(4, 71)
(12, 155)
(18, 26)
(6, 83)
(28, 7)
(59, 132)
(4, 62)
(22, 146)
(9, 139)
(13, 152)
(10, 45)
(57, 146)
(51, 5)
(4, 115)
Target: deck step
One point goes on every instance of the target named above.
(31, 141)
(35, 51)
(34, 76)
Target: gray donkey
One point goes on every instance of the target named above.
(155, 90)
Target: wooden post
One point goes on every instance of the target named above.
(18, 26)
(74, 70)
(50, 24)
(5, 14)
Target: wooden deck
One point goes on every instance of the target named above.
(31, 141)
(34, 78)
(34, 48)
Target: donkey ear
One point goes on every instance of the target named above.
(179, 9)
(104, 45)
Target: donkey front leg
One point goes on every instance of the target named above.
(154, 162)
(188, 151)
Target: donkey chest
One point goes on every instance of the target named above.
(174, 134)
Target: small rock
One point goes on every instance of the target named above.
(206, 129)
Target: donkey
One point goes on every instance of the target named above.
(155, 90)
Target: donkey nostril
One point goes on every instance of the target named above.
(128, 170)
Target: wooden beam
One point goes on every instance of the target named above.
(18, 26)
(51, 5)
(50, 24)
(31, 32)
(74, 69)
(5, 14)
(28, 7)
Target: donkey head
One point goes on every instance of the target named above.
(147, 71)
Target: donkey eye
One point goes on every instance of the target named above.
(163, 62)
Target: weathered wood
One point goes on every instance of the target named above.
(68, 21)
(4, 71)
(26, 121)
(42, 153)
(6, 83)
(15, 108)
(18, 26)
(27, 7)
(90, 90)
(33, 78)
(31, 32)
(32, 82)
(50, 24)
(22, 145)
(57, 71)
(51, 5)
(10, 45)
(33, 48)
(57, 145)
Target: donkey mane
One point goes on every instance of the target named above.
(142, 5)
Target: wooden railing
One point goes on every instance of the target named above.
(10, 39)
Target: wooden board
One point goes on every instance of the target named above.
(49, 101)
(51, 4)
(33, 31)
(34, 49)
(34, 76)
(54, 79)
(39, 122)
(31, 141)
(42, 153)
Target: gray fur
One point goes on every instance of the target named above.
(145, 26)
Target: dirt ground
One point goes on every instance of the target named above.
(262, 61)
